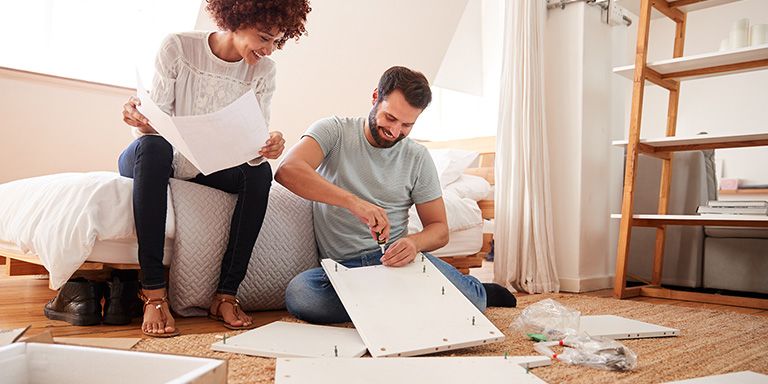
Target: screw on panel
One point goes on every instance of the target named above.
(336, 350)
(424, 269)
(443, 290)
(473, 320)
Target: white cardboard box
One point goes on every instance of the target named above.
(33, 363)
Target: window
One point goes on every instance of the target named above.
(102, 41)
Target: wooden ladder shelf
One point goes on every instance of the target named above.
(669, 74)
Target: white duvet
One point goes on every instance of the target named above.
(60, 217)
(462, 213)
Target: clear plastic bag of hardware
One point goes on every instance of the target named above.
(548, 318)
(597, 352)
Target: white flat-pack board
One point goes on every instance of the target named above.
(99, 342)
(743, 377)
(619, 328)
(443, 370)
(409, 311)
(8, 336)
(33, 363)
(283, 339)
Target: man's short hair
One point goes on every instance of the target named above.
(412, 84)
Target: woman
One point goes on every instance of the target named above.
(198, 73)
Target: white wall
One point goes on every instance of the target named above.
(53, 125)
(718, 105)
(334, 70)
(595, 271)
(577, 67)
(456, 113)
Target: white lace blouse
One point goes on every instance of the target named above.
(191, 80)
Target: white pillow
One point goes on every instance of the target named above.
(470, 187)
(461, 214)
(451, 163)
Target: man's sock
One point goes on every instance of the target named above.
(498, 296)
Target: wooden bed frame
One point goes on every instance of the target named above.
(17, 264)
(486, 146)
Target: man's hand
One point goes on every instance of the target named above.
(373, 216)
(274, 146)
(400, 253)
(134, 118)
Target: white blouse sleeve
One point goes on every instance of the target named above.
(166, 71)
(264, 91)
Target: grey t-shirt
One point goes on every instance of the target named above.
(393, 178)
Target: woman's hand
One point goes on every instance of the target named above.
(274, 146)
(134, 118)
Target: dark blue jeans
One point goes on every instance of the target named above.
(148, 161)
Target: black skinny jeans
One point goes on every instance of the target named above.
(148, 161)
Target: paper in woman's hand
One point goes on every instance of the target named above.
(223, 139)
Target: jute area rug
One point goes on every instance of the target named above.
(711, 342)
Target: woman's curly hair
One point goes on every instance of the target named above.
(288, 16)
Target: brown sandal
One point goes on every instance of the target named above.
(236, 304)
(157, 304)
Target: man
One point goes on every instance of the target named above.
(363, 175)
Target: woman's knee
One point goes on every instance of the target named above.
(256, 180)
(154, 147)
(260, 174)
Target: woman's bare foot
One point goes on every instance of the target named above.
(226, 308)
(157, 316)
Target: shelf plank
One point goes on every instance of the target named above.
(671, 294)
(683, 5)
(699, 142)
(654, 220)
(706, 64)
(744, 191)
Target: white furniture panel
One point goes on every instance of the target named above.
(443, 370)
(743, 377)
(618, 328)
(283, 339)
(409, 311)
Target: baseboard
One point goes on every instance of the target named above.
(585, 284)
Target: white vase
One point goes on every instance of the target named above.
(739, 35)
(759, 34)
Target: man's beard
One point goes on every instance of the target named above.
(374, 128)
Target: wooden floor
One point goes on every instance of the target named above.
(22, 300)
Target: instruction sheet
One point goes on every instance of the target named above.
(223, 139)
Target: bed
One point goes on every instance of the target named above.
(466, 169)
(104, 197)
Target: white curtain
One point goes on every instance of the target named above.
(524, 250)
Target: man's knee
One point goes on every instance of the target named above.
(310, 298)
(300, 299)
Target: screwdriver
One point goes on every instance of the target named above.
(381, 242)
